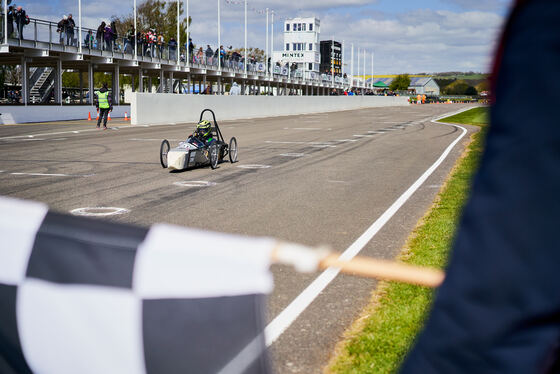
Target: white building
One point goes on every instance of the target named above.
(301, 45)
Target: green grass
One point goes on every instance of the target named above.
(476, 116)
(379, 341)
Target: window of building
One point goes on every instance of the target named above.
(287, 27)
(310, 27)
(303, 26)
(310, 46)
(299, 27)
(294, 46)
(287, 46)
(310, 66)
(295, 27)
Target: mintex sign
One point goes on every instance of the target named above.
(293, 55)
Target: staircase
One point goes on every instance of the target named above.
(42, 85)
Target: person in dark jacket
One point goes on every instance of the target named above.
(498, 310)
(104, 104)
(100, 35)
(10, 20)
(61, 28)
(21, 20)
(70, 25)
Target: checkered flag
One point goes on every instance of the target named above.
(79, 295)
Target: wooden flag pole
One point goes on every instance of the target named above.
(306, 259)
(383, 269)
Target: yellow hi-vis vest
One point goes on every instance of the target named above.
(103, 99)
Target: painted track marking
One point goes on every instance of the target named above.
(194, 184)
(285, 318)
(53, 175)
(98, 211)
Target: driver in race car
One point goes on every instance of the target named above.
(202, 135)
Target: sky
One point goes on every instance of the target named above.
(405, 36)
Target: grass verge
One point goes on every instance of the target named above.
(379, 340)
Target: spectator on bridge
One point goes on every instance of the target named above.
(100, 35)
(21, 21)
(10, 21)
(70, 25)
(108, 37)
(61, 28)
(129, 40)
(89, 40)
(199, 55)
(172, 49)
(191, 49)
(104, 104)
(209, 54)
(160, 44)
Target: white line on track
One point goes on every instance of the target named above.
(363, 136)
(285, 318)
(53, 175)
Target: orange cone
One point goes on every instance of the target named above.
(89, 116)
(109, 117)
(125, 116)
(97, 118)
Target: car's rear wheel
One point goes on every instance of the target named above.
(163, 151)
(232, 150)
(213, 155)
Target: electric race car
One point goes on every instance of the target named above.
(205, 146)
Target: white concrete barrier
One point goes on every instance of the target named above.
(12, 114)
(160, 108)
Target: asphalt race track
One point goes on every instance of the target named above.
(312, 179)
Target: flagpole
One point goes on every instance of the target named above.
(80, 26)
(352, 66)
(272, 45)
(372, 70)
(135, 34)
(358, 58)
(364, 69)
(219, 40)
(5, 21)
(245, 59)
(178, 36)
(266, 47)
(188, 39)
(332, 61)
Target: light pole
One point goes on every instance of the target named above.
(80, 27)
(352, 66)
(135, 34)
(219, 40)
(6, 22)
(245, 49)
(188, 44)
(364, 70)
(372, 70)
(178, 36)
(272, 44)
(266, 47)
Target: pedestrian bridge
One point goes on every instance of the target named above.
(44, 54)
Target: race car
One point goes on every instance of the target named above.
(205, 146)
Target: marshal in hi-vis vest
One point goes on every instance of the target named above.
(103, 99)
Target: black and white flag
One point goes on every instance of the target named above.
(79, 295)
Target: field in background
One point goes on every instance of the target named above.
(379, 340)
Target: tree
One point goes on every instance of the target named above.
(400, 83)
(156, 14)
(471, 91)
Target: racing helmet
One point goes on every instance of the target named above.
(203, 128)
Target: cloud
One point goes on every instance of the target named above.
(418, 40)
